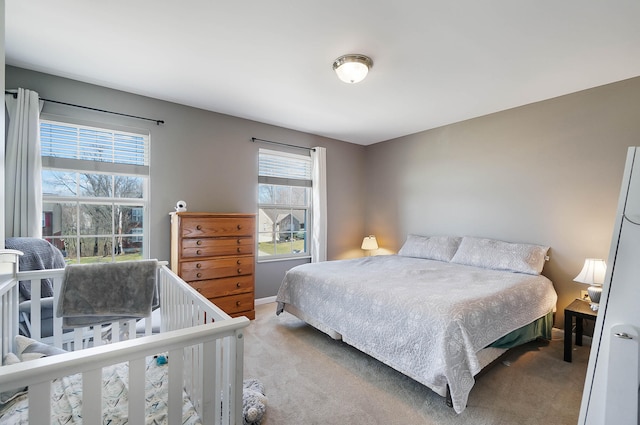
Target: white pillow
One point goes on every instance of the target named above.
(499, 255)
(7, 396)
(30, 349)
(10, 359)
(441, 248)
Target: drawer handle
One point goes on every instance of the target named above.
(239, 271)
(238, 285)
(198, 274)
(198, 265)
(198, 227)
(238, 262)
(239, 241)
(239, 226)
(198, 242)
(237, 303)
(239, 249)
(198, 252)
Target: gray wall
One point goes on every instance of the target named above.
(208, 160)
(547, 173)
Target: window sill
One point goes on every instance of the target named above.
(273, 260)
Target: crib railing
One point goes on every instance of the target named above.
(9, 297)
(205, 345)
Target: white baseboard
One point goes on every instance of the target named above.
(266, 300)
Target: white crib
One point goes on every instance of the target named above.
(204, 345)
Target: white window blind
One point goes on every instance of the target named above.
(87, 148)
(284, 169)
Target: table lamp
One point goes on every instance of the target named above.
(592, 274)
(369, 243)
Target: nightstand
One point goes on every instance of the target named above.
(580, 310)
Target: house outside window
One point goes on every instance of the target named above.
(95, 184)
(284, 205)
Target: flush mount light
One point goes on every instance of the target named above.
(352, 68)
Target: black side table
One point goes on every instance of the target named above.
(580, 310)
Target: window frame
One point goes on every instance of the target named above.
(81, 166)
(308, 208)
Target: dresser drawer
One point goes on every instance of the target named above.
(215, 254)
(216, 268)
(235, 303)
(224, 286)
(210, 247)
(194, 227)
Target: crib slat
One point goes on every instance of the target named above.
(174, 404)
(211, 413)
(39, 403)
(36, 310)
(92, 396)
(190, 358)
(219, 380)
(77, 338)
(199, 362)
(57, 321)
(9, 319)
(115, 332)
(230, 371)
(237, 375)
(136, 391)
(148, 327)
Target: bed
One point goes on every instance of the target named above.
(190, 371)
(438, 312)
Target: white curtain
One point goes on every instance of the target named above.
(319, 204)
(23, 166)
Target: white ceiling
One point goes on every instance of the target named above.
(435, 61)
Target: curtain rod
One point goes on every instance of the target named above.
(255, 139)
(158, 122)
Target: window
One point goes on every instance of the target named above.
(95, 191)
(284, 205)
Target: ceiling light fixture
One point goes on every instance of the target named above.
(352, 68)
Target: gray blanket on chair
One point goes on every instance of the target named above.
(38, 254)
(94, 294)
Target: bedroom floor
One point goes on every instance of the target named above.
(311, 379)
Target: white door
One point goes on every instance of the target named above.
(611, 387)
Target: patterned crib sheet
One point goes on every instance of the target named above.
(67, 400)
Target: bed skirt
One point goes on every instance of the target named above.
(540, 328)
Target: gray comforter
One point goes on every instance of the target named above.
(426, 319)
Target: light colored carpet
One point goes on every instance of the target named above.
(311, 379)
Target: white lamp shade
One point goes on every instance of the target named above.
(592, 272)
(369, 243)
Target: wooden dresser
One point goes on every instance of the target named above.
(214, 253)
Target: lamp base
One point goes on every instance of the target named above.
(594, 293)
